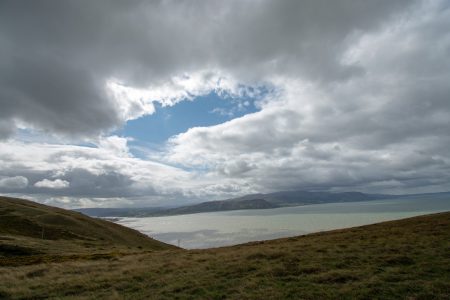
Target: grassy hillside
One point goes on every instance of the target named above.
(406, 259)
(27, 227)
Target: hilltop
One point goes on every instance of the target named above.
(404, 259)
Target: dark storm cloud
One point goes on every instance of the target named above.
(55, 56)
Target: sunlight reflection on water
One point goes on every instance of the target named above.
(206, 230)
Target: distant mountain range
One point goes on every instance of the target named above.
(253, 201)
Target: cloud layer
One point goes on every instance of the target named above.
(383, 129)
(58, 58)
(359, 101)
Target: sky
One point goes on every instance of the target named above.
(153, 103)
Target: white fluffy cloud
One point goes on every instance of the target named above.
(106, 173)
(103, 174)
(390, 124)
(52, 184)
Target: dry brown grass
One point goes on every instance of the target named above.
(406, 259)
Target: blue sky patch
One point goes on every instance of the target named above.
(212, 109)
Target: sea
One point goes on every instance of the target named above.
(218, 229)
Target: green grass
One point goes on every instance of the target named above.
(405, 259)
(42, 229)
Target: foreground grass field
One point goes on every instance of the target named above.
(406, 259)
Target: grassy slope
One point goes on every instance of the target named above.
(22, 224)
(406, 259)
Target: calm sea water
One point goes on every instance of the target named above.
(206, 230)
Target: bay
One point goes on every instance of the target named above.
(216, 229)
